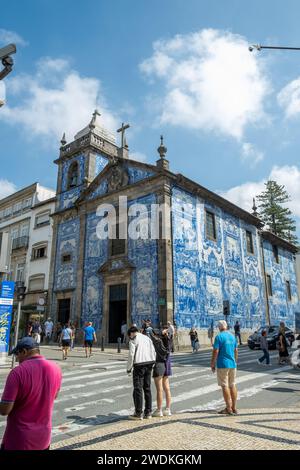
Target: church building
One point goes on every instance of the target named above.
(213, 258)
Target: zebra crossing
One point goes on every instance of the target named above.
(93, 394)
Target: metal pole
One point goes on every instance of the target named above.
(102, 343)
(16, 333)
(119, 344)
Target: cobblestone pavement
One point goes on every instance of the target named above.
(263, 429)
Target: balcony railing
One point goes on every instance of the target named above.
(21, 242)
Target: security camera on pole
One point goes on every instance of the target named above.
(20, 289)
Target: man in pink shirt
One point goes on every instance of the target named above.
(28, 399)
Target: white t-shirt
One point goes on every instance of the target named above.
(124, 329)
(48, 326)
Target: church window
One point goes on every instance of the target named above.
(73, 175)
(249, 239)
(66, 258)
(211, 232)
(269, 285)
(118, 246)
(288, 290)
(275, 253)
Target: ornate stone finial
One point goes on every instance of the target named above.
(63, 140)
(162, 150)
(92, 124)
(254, 209)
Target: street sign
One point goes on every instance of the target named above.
(6, 306)
(40, 308)
(41, 301)
(161, 301)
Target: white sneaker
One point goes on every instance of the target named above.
(258, 362)
(157, 413)
(167, 412)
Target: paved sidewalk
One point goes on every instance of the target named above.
(274, 429)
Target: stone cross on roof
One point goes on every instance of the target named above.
(122, 130)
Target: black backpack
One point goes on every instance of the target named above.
(160, 349)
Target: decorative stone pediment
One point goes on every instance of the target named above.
(116, 265)
(117, 177)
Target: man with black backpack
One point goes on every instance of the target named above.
(162, 371)
(141, 358)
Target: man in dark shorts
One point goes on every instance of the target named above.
(89, 338)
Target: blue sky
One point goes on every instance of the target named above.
(231, 119)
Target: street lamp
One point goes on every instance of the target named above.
(259, 47)
(20, 289)
(7, 62)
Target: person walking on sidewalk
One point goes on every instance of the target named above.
(162, 371)
(28, 399)
(48, 326)
(141, 359)
(194, 339)
(282, 345)
(211, 333)
(237, 332)
(65, 339)
(123, 332)
(225, 354)
(265, 348)
(89, 338)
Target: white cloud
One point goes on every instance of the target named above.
(289, 98)
(55, 100)
(211, 82)
(7, 37)
(251, 154)
(289, 176)
(6, 188)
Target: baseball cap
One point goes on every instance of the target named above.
(24, 343)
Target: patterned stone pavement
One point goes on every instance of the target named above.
(263, 429)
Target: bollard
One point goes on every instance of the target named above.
(102, 343)
(119, 344)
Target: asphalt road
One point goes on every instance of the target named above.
(98, 390)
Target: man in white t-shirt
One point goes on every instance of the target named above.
(48, 329)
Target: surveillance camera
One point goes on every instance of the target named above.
(250, 48)
(7, 51)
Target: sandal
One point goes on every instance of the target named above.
(225, 412)
(235, 412)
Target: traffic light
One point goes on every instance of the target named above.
(226, 308)
(21, 289)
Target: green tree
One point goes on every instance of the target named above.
(274, 213)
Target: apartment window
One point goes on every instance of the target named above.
(14, 233)
(288, 290)
(27, 203)
(269, 285)
(42, 219)
(39, 252)
(25, 230)
(7, 211)
(20, 272)
(36, 282)
(1, 214)
(211, 225)
(17, 207)
(275, 253)
(249, 238)
(66, 258)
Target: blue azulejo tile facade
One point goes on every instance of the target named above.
(281, 270)
(142, 253)
(208, 272)
(96, 254)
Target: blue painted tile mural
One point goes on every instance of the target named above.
(67, 244)
(281, 309)
(144, 281)
(206, 272)
(96, 254)
(68, 197)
